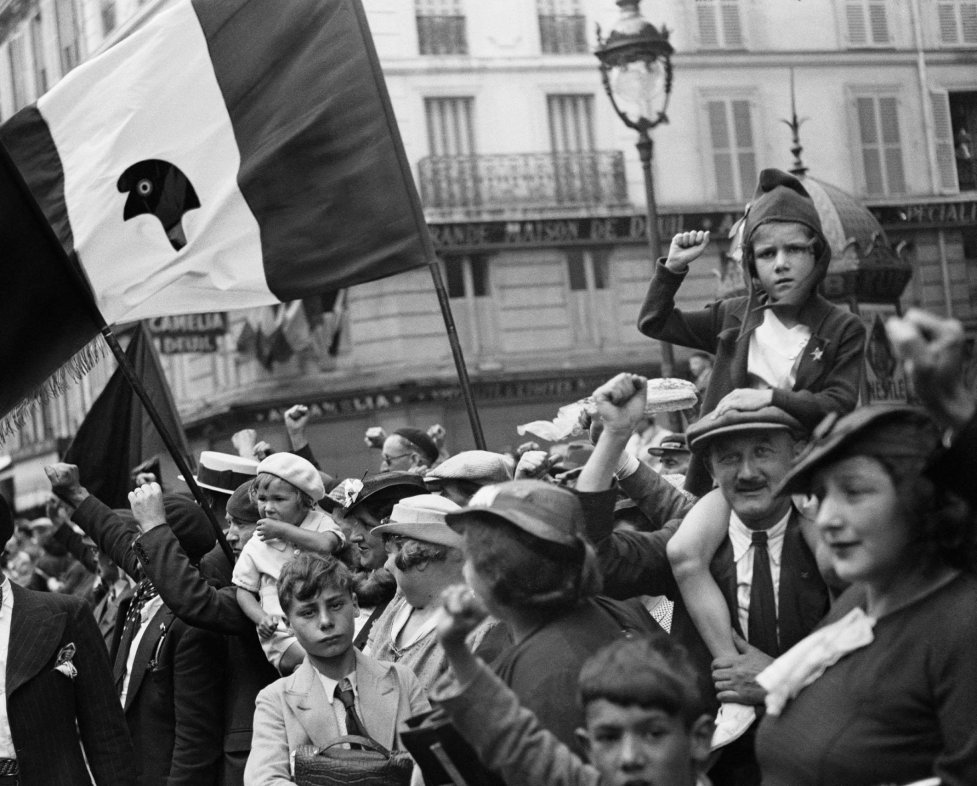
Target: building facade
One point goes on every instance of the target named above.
(535, 197)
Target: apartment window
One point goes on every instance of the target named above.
(468, 277)
(957, 21)
(450, 128)
(562, 27)
(881, 145)
(733, 147)
(67, 23)
(18, 71)
(441, 27)
(720, 26)
(108, 16)
(37, 51)
(955, 126)
(571, 122)
(868, 23)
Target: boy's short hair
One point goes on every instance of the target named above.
(648, 671)
(308, 575)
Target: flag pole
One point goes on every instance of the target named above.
(127, 370)
(407, 177)
(181, 463)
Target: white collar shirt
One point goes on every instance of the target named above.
(338, 710)
(7, 750)
(146, 613)
(775, 352)
(741, 537)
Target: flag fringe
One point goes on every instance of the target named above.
(71, 372)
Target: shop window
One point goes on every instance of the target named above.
(587, 271)
(467, 277)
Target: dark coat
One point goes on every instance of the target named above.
(829, 376)
(198, 603)
(636, 563)
(44, 706)
(176, 687)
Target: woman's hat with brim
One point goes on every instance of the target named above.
(707, 428)
(223, 472)
(673, 443)
(423, 518)
(881, 430)
(546, 511)
(384, 487)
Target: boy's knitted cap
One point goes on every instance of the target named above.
(295, 470)
(780, 196)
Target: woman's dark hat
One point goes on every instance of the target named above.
(546, 511)
(386, 487)
(893, 431)
(241, 507)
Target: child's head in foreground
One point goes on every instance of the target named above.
(286, 488)
(316, 594)
(646, 715)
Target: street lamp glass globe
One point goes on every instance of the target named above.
(639, 89)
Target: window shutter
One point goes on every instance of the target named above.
(721, 153)
(947, 16)
(889, 123)
(732, 29)
(878, 23)
(871, 154)
(968, 22)
(857, 29)
(706, 13)
(745, 155)
(943, 130)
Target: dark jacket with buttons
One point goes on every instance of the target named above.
(829, 376)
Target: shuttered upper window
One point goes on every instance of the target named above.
(68, 37)
(450, 130)
(18, 72)
(733, 147)
(441, 27)
(37, 51)
(571, 122)
(720, 26)
(867, 23)
(562, 27)
(957, 22)
(881, 144)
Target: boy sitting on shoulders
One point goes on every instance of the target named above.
(336, 690)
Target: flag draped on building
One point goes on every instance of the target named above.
(229, 154)
(117, 434)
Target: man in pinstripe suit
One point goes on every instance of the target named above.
(59, 708)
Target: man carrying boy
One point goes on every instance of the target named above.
(337, 690)
(782, 344)
(646, 718)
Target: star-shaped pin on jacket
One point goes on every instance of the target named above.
(817, 354)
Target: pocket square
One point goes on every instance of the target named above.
(64, 662)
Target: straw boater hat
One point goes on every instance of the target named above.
(223, 472)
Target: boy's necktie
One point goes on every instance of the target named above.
(344, 692)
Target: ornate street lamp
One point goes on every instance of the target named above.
(636, 69)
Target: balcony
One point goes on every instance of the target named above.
(509, 183)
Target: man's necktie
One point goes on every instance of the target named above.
(344, 692)
(145, 591)
(763, 609)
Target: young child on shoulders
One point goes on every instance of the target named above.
(782, 345)
(336, 690)
(286, 490)
(646, 716)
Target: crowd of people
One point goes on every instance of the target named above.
(783, 593)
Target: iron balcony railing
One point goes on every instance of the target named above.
(524, 180)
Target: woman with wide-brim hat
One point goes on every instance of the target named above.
(886, 690)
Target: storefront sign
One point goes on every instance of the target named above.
(563, 389)
(927, 214)
(612, 230)
(188, 332)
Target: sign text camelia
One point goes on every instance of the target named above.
(188, 332)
